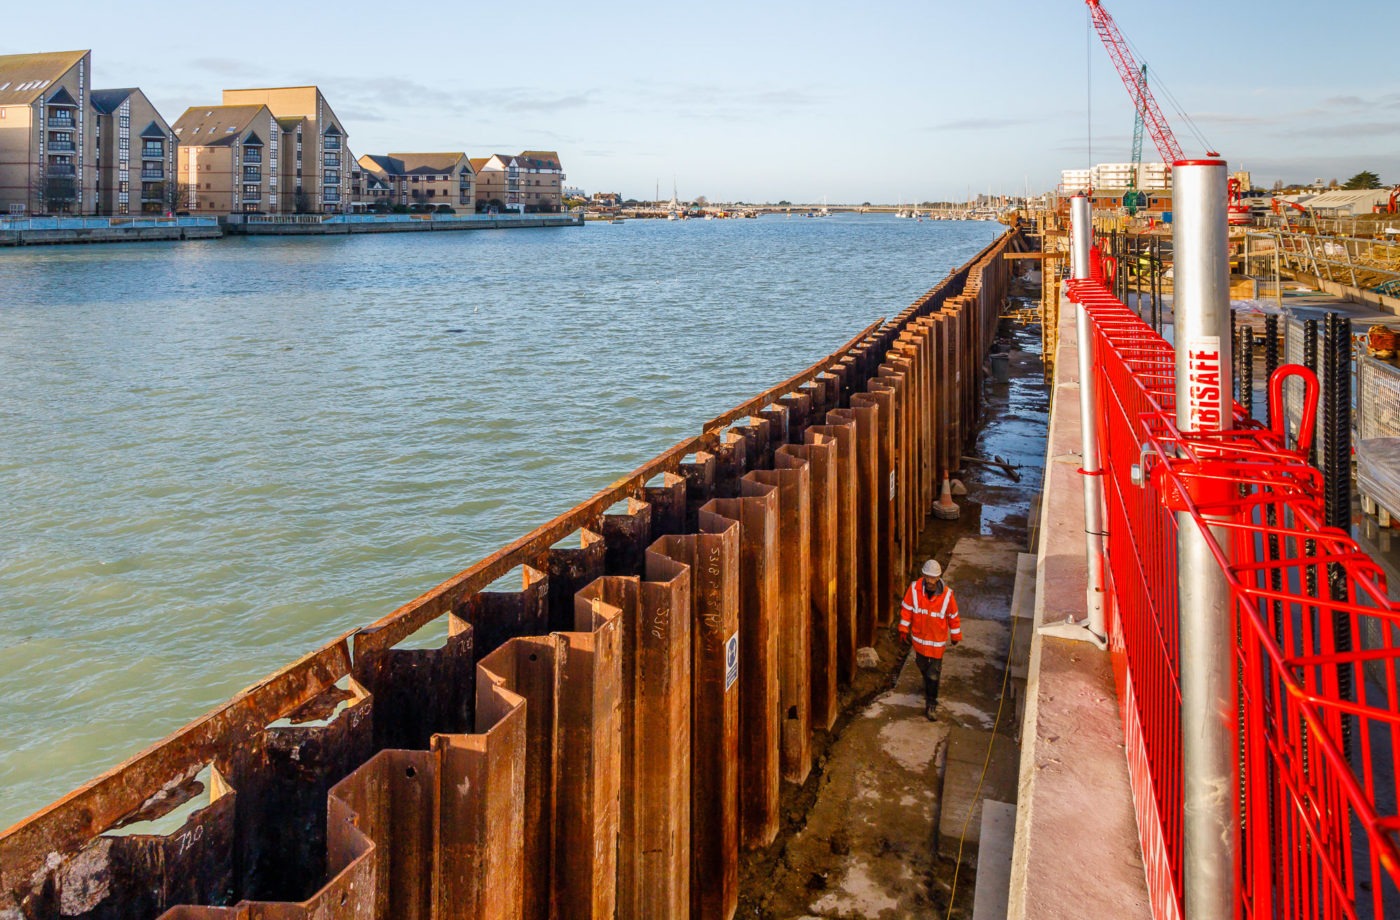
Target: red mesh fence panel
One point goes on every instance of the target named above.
(1318, 791)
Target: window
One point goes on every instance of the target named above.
(252, 192)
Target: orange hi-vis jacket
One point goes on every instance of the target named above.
(930, 622)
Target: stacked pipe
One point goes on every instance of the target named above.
(602, 737)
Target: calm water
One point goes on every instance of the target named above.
(217, 456)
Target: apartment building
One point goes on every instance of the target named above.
(1150, 177)
(367, 189)
(228, 159)
(541, 180)
(315, 162)
(425, 178)
(48, 148)
(135, 154)
(530, 181)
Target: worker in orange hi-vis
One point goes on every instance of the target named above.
(929, 618)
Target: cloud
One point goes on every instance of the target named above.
(225, 67)
(355, 113)
(983, 124)
(529, 99)
(713, 102)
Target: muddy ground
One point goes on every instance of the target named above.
(860, 837)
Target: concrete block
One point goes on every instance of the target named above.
(867, 657)
(967, 754)
(994, 861)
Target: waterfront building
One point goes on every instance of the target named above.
(136, 153)
(48, 148)
(542, 180)
(314, 160)
(228, 157)
(424, 178)
(367, 189)
(530, 181)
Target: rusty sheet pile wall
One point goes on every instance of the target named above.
(601, 741)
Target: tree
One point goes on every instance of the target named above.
(701, 201)
(1278, 185)
(1363, 180)
(301, 202)
(174, 196)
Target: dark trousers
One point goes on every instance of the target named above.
(931, 668)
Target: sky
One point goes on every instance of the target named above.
(767, 99)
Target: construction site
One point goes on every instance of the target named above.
(1151, 434)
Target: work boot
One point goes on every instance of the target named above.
(930, 710)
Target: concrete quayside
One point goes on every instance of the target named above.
(37, 231)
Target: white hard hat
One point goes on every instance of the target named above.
(932, 569)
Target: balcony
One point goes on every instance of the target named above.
(252, 199)
(61, 120)
(250, 158)
(331, 161)
(64, 146)
(61, 170)
(330, 195)
(332, 143)
(153, 153)
(152, 174)
(250, 174)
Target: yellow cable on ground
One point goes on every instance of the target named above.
(986, 764)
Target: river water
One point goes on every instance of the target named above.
(217, 456)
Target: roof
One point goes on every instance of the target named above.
(107, 100)
(1349, 201)
(477, 163)
(424, 163)
(216, 125)
(24, 77)
(382, 164)
(285, 101)
(539, 159)
(290, 122)
(410, 164)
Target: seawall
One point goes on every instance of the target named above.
(602, 734)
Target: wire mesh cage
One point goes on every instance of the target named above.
(1378, 430)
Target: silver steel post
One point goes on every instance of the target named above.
(1082, 230)
(1209, 719)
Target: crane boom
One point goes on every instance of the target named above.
(1129, 72)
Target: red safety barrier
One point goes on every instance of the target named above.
(1320, 835)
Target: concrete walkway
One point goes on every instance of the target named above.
(895, 790)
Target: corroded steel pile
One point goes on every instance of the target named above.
(603, 740)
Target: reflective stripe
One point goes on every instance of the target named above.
(931, 642)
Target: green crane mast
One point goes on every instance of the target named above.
(1135, 199)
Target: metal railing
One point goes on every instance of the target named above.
(1317, 804)
(101, 223)
(1354, 261)
(333, 219)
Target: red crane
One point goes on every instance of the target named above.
(1128, 71)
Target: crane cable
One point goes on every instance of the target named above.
(1176, 105)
